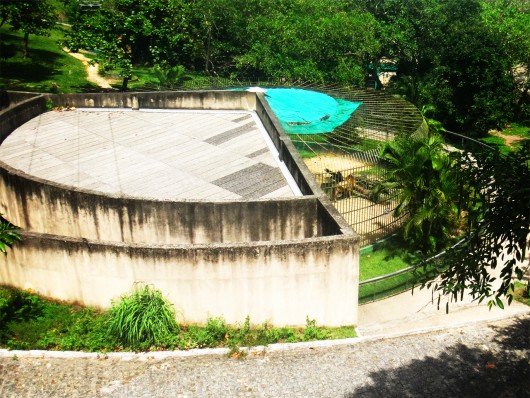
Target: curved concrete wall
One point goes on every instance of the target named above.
(278, 282)
(274, 260)
(41, 207)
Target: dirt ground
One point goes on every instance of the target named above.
(509, 139)
(92, 70)
(369, 219)
(318, 164)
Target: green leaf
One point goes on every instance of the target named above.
(499, 303)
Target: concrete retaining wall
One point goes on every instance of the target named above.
(278, 282)
(211, 100)
(38, 206)
(20, 113)
(273, 260)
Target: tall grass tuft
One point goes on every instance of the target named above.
(142, 319)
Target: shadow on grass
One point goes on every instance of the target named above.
(498, 370)
(26, 71)
(8, 51)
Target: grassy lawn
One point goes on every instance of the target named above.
(504, 142)
(521, 293)
(517, 129)
(47, 69)
(384, 258)
(28, 321)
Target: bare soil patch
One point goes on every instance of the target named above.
(509, 140)
(319, 164)
(92, 70)
(369, 219)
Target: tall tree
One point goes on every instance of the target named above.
(510, 21)
(498, 228)
(447, 58)
(313, 40)
(219, 34)
(126, 32)
(115, 32)
(34, 17)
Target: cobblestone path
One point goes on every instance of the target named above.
(479, 360)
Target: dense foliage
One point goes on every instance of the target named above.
(482, 196)
(9, 234)
(497, 202)
(425, 177)
(466, 59)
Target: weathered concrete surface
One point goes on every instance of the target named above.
(396, 314)
(41, 207)
(95, 225)
(478, 360)
(165, 155)
(282, 282)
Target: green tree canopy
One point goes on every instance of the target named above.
(35, 17)
(126, 32)
(310, 41)
(498, 203)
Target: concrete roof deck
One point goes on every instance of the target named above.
(155, 154)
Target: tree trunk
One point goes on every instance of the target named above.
(25, 49)
(208, 51)
(124, 84)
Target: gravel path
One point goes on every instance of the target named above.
(478, 360)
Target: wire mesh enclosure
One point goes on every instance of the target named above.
(346, 163)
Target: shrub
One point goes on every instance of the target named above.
(19, 305)
(312, 332)
(210, 335)
(142, 319)
(9, 234)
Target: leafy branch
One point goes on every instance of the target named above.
(9, 234)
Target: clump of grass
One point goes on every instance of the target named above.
(142, 319)
(312, 332)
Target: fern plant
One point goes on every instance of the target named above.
(170, 77)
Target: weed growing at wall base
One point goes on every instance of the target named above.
(28, 321)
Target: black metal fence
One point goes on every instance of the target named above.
(397, 282)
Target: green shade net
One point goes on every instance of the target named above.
(308, 112)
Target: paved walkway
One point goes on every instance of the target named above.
(406, 313)
(478, 360)
(172, 155)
